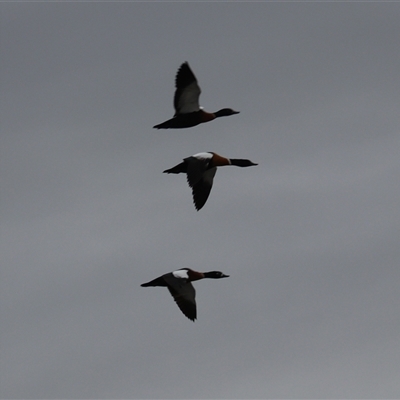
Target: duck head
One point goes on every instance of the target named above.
(215, 275)
(225, 112)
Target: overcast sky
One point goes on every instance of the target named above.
(310, 237)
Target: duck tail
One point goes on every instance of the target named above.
(166, 125)
(155, 282)
(180, 168)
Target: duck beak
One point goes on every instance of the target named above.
(224, 276)
(235, 112)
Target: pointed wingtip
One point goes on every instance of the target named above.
(197, 207)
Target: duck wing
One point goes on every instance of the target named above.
(201, 190)
(196, 168)
(184, 295)
(187, 93)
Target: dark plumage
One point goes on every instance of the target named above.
(200, 169)
(179, 285)
(186, 103)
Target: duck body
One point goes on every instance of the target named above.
(188, 112)
(179, 285)
(186, 120)
(201, 169)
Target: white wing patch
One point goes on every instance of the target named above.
(181, 274)
(208, 176)
(203, 156)
(189, 99)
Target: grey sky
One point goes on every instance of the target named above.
(309, 237)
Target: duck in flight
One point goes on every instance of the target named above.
(188, 112)
(200, 169)
(179, 285)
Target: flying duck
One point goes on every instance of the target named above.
(178, 284)
(188, 112)
(200, 169)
